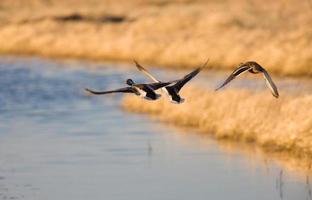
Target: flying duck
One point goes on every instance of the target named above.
(253, 68)
(144, 90)
(174, 88)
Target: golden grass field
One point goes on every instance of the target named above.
(183, 34)
(171, 33)
(283, 124)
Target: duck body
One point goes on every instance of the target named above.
(173, 89)
(254, 68)
(174, 95)
(144, 90)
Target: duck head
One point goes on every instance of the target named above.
(130, 82)
(256, 68)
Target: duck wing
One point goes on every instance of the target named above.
(147, 73)
(269, 82)
(188, 77)
(156, 86)
(242, 69)
(120, 90)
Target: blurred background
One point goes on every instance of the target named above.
(57, 142)
(171, 33)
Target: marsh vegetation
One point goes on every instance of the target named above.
(278, 125)
(177, 33)
(57, 142)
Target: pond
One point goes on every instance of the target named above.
(56, 142)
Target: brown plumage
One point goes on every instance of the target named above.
(253, 68)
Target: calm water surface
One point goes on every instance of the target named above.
(58, 143)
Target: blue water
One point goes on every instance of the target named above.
(56, 142)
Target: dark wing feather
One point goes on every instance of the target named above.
(147, 73)
(269, 82)
(188, 77)
(120, 90)
(234, 74)
(156, 86)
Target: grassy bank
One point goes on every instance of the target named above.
(278, 125)
(175, 33)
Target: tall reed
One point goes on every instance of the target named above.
(283, 124)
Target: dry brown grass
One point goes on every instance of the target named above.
(283, 124)
(175, 33)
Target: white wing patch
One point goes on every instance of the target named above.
(142, 69)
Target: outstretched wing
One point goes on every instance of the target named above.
(156, 86)
(188, 77)
(142, 69)
(120, 90)
(147, 73)
(269, 82)
(236, 73)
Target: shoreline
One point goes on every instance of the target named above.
(281, 125)
(290, 162)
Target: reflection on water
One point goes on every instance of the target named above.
(280, 184)
(58, 143)
(308, 188)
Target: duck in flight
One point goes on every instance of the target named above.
(174, 88)
(144, 90)
(253, 68)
